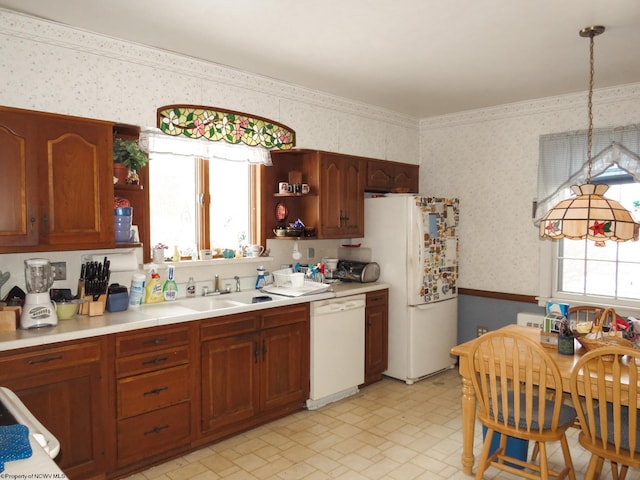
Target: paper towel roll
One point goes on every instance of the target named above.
(120, 262)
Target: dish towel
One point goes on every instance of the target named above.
(14, 443)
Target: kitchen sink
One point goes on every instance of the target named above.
(204, 304)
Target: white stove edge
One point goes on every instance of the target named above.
(44, 445)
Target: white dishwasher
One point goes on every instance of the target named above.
(337, 349)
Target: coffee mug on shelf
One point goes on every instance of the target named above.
(283, 187)
(254, 251)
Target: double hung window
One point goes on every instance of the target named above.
(577, 271)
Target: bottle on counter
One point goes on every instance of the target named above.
(170, 288)
(191, 288)
(136, 292)
(260, 280)
(154, 289)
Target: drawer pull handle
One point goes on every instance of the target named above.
(156, 430)
(155, 341)
(155, 391)
(155, 361)
(45, 360)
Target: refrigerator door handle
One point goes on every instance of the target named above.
(415, 254)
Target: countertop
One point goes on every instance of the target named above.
(167, 313)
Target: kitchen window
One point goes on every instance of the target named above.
(585, 274)
(576, 271)
(197, 203)
(203, 173)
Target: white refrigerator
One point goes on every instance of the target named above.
(414, 239)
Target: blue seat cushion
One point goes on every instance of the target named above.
(14, 443)
(567, 414)
(624, 427)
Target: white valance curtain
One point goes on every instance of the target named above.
(156, 142)
(563, 161)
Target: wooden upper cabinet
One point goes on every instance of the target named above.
(384, 177)
(341, 196)
(59, 182)
(75, 182)
(334, 207)
(18, 182)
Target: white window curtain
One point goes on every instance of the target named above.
(156, 142)
(563, 161)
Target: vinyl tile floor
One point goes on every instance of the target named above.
(389, 430)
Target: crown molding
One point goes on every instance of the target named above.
(532, 107)
(47, 32)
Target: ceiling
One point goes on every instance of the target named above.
(418, 57)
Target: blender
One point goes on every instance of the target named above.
(38, 310)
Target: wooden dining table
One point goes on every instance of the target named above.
(565, 364)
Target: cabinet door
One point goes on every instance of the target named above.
(230, 380)
(331, 213)
(18, 182)
(65, 389)
(285, 365)
(76, 190)
(379, 176)
(406, 178)
(353, 198)
(342, 197)
(376, 335)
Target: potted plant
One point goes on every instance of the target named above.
(128, 155)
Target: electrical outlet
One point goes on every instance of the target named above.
(311, 252)
(481, 331)
(59, 270)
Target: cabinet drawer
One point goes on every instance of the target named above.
(285, 315)
(32, 363)
(146, 435)
(229, 325)
(151, 340)
(151, 361)
(377, 298)
(144, 393)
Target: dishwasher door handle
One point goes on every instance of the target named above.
(338, 307)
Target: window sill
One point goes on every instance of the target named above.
(210, 263)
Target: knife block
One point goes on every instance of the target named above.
(91, 307)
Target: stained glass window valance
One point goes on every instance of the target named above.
(232, 127)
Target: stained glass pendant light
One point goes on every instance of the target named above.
(589, 214)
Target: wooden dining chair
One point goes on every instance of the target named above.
(604, 389)
(512, 378)
(599, 316)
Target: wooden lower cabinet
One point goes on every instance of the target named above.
(123, 402)
(230, 381)
(65, 386)
(254, 367)
(154, 390)
(376, 335)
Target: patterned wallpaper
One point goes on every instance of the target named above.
(50, 67)
(489, 159)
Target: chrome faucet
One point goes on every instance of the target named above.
(237, 279)
(216, 284)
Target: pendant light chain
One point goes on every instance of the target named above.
(590, 214)
(590, 105)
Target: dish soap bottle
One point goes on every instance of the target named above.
(170, 288)
(260, 281)
(191, 288)
(154, 289)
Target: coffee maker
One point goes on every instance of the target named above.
(38, 309)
